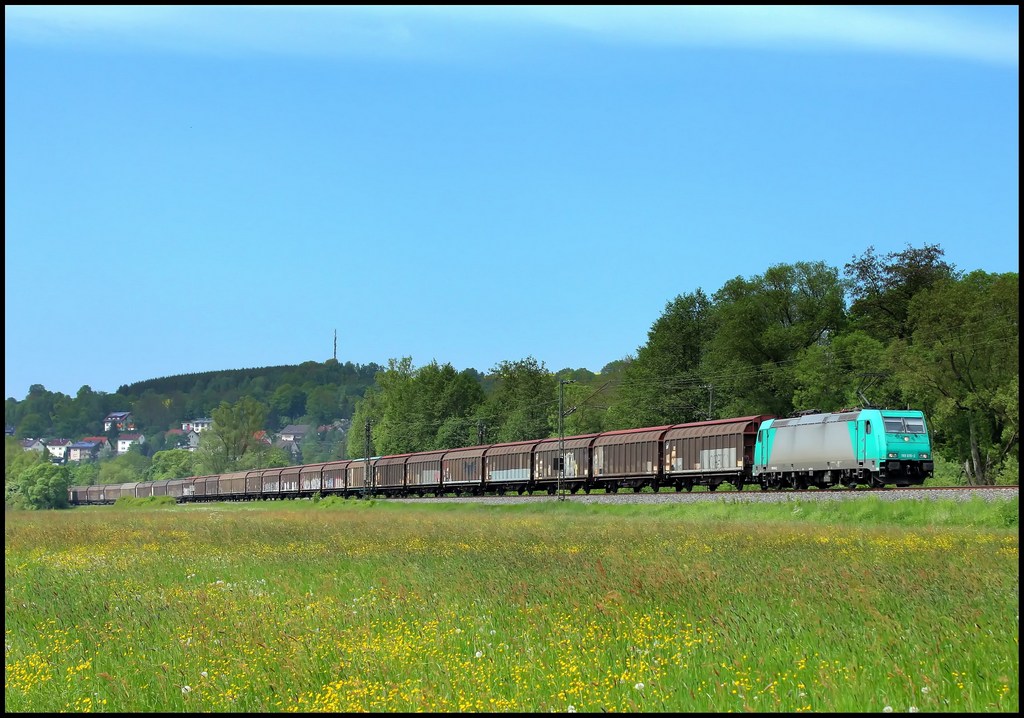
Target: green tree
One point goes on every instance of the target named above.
(43, 486)
(521, 404)
(127, 468)
(233, 433)
(963, 364)
(851, 369)
(287, 404)
(171, 464)
(17, 462)
(263, 457)
(665, 383)
(366, 410)
(440, 394)
(33, 426)
(323, 404)
(582, 412)
(84, 473)
(761, 326)
(393, 428)
(881, 288)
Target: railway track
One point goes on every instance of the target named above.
(957, 493)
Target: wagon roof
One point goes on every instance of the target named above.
(627, 436)
(427, 456)
(517, 447)
(340, 464)
(716, 427)
(466, 453)
(568, 442)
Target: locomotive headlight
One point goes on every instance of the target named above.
(893, 454)
(924, 455)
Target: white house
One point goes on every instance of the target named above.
(294, 432)
(58, 448)
(125, 441)
(197, 425)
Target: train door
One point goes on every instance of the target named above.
(863, 449)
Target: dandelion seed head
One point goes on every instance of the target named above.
(924, 689)
(912, 709)
(479, 654)
(571, 709)
(887, 709)
(186, 689)
(639, 686)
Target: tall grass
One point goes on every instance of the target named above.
(560, 607)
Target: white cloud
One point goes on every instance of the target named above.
(986, 34)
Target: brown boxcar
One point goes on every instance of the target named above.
(711, 452)
(627, 458)
(131, 489)
(309, 478)
(231, 484)
(463, 470)
(254, 482)
(160, 487)
(389, 474)
(179, 488)
(290, 480)
(270, 483)
(355, 475)
(144, 490)
(78, 495)
(423, 472)
(576, 452)
(334, 477)
(508, 467)
(206, 487)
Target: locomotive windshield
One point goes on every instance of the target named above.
(903, 425)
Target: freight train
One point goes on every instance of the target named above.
(851, 448)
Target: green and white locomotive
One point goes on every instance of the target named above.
(873, 447)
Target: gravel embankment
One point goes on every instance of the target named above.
(667, 497)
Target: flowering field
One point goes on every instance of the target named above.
(465, 608)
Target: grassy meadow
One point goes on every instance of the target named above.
(554, 607)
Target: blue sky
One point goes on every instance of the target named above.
(191, 189)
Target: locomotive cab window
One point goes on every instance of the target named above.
(903, 425)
